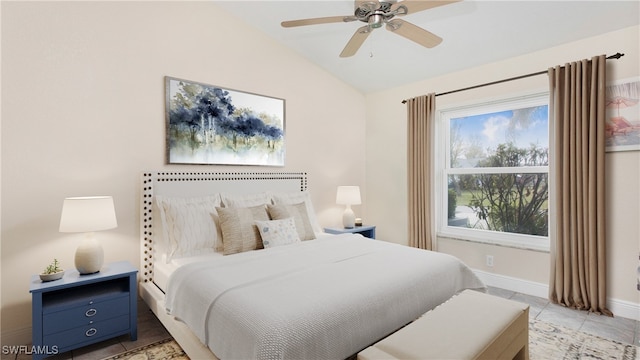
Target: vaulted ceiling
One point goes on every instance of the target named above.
(473, 32)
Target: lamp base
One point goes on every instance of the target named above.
(89, 256)
(348, 218)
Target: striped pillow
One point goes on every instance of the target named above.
(299, 214)
(239, 232)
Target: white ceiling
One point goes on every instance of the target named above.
(474, 33)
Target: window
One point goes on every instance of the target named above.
(494, 184)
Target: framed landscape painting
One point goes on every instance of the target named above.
(207, 124)
(622, 129)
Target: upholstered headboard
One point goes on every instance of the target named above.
(192, 184)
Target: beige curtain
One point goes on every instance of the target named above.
(578, 258)
(420, 127)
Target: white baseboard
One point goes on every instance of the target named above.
(625, 309)
(622, 308)
(514, 284)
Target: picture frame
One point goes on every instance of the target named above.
(208, 124)
(622, 127)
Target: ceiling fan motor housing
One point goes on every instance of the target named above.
(376, 14)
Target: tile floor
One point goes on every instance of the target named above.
(151, 330)
(614, 328)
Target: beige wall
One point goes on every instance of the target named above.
(83, 114)
(386, 160)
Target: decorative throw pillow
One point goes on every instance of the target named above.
(296, 198)
(299, 214)
(278, 232)
(245, 200)
(239, 232)
(188, 225)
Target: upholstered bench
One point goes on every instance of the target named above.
(470, 325)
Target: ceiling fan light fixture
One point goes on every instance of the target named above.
(376, 20)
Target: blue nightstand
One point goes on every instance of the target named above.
(365, 230)
(79, 310)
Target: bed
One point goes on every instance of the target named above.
(252, 289)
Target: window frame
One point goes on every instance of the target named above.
(444, 169)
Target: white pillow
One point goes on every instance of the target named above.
(189, 225)
(245, 200)
(278, 232)
(296, 198)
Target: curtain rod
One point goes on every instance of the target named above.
(615, 56)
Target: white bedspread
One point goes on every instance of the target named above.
(322, 299)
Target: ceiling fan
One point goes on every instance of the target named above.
(377, 13)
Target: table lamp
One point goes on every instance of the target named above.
(88, 214)
(348, 195)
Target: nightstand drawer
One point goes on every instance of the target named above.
(86, 314)
(97, 330)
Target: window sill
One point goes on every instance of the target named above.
(504, 241)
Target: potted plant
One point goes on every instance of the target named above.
(52, 271)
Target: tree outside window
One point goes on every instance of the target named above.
(496, 170)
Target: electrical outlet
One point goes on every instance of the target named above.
(490, 260)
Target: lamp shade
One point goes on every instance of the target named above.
(88, 214)
(348, 195)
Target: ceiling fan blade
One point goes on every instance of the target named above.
(414, 6)
(356, 41)
(414, 33)
(316, 21)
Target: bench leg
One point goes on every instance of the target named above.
(523, 354)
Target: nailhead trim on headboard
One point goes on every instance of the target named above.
(146, 204)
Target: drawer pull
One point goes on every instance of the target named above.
(91, 312)
(91, 332)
